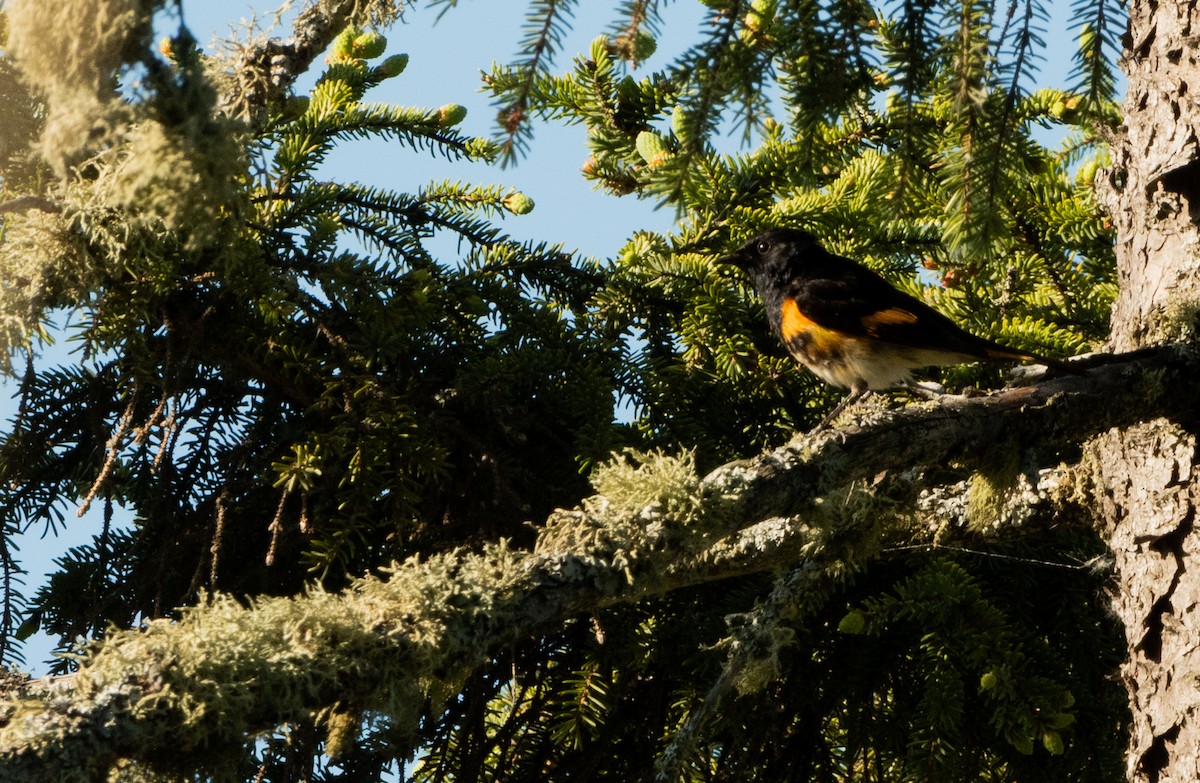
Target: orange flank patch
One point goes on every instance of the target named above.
(795, 324)
(892, 315)
(804, 336)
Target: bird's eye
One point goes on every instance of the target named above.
(762, 246)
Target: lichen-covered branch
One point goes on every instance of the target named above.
(265, 69)
(189, 694)
(1048, 416)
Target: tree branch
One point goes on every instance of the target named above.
(1059, 413)
(189, 693)
(22, 203)
(265, 70)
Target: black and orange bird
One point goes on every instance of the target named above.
(849, 325)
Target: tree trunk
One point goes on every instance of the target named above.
(1145, 476)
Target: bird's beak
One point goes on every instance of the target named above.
(734, 259)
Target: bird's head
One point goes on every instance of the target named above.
(773, 255)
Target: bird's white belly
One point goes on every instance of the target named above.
(863, 365)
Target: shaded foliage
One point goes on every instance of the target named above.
(322, 365)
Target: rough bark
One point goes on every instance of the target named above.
(1145, 475)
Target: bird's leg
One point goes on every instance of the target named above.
(856, 393)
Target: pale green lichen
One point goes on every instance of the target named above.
(44, 263)
(1007, 492)
(755, 657)
(150, 176)
(184, 180)
(991, 485)
(1180, 321)
(71, 51)
(206, 683)
(636, 481)
(642, 501)
(156, 150)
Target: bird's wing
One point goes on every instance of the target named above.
(859, 303)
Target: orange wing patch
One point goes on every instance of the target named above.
(890, 316)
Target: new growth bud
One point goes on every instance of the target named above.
(451, 114)
(518, 203)
(652, 148)
(392, 66)
(368, 45)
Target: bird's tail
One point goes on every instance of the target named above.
(1000, 353)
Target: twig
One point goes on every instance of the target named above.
(22, 203)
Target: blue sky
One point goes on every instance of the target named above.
(445, 62)
(446, 58)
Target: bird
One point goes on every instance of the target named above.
(850, 326)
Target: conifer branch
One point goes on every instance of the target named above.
(179, 694)
(545, 31)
